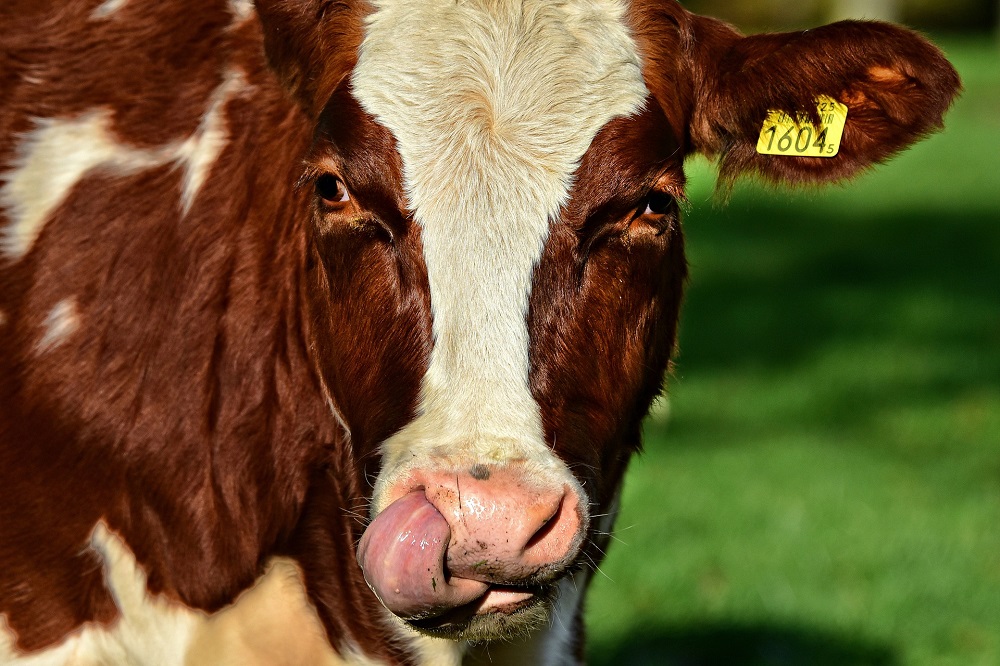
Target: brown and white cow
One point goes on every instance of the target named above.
(269, 272)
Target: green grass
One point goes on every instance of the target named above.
(826, 489)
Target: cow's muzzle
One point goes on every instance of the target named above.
(456, 547)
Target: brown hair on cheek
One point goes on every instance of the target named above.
(605, 302)
(600, 345)
(372, 358)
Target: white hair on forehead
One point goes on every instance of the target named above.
(492, 104)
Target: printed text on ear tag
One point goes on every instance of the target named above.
(782, 135)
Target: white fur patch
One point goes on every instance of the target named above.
(53, 158)
(60, 323)
(271, 624)
(492, 104)
(437, 651)
(107, 8)
(557, 648)
(556, 645)
(428, 650)
(150, 631)
(202, 149)
(241, 9)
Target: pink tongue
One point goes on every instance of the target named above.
(402, 555)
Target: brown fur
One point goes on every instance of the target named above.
(896, 84)
(189, 401)
(191, 410)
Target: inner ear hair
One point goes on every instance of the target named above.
(882, 74)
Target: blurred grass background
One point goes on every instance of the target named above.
(826, 489)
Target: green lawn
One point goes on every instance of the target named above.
(826, 489)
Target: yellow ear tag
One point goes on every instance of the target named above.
(783, 136)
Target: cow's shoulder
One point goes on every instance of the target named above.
(272, 623)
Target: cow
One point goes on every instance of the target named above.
(327, 328)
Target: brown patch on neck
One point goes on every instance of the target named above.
(187, 410)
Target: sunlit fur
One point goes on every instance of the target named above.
(59, 152)
(201, 366)
(150, 630)
(107, 9)
(492, 105)
(153, 631)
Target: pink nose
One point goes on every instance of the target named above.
(443, 543)
(503, 529)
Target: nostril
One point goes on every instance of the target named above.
(557, 540)
(545, 530)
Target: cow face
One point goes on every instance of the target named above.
(496, 217)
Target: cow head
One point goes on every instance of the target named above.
(496, 192)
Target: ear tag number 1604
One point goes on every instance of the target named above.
(781, 135)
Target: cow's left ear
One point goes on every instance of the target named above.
(895, 84)
(311, 45)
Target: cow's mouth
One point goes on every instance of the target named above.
(406, 555)
(501, 612)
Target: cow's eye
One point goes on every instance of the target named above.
(331, 190)
(659, 203)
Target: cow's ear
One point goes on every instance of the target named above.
(311, 44)
(895, 84)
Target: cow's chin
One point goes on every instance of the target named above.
(502, 613)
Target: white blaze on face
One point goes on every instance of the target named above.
(492, 104)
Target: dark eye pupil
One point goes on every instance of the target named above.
(329, 187)
(660, 203)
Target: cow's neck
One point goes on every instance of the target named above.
(159, 370)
